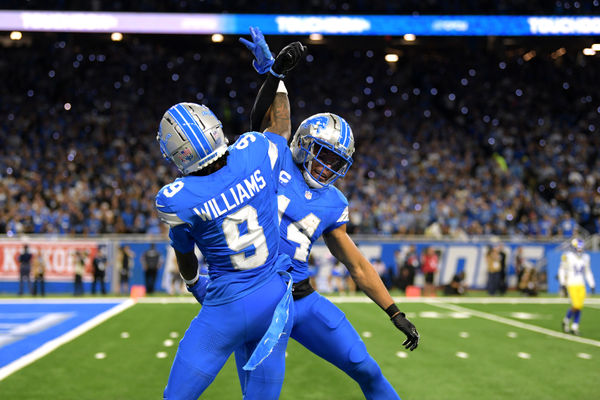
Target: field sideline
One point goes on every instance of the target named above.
(472, 348)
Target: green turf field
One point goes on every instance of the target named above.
(468, 351)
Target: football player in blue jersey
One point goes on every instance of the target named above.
(310, 206)
(226, 204)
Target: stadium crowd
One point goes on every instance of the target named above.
(452, 140)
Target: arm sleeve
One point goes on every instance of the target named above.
(263, 101)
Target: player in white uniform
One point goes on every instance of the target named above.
(573, 272)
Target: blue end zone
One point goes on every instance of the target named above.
(26, 326)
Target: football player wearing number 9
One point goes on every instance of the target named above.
(226, 204)
(309, 206)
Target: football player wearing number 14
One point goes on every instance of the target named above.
(310, 206)
(226, 204)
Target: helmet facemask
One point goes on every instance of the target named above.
(323, 145)
(323, 164)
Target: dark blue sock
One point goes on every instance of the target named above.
(569, 314)
(577, 315)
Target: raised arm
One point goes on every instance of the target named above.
(271, 109)
(343, 248)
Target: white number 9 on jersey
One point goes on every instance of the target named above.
(238, 242)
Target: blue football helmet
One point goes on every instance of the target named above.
(191, 136)
(578, 245)
(323, 145)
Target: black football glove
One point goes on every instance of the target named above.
(593, 289)
(287, 59)
(403, 324)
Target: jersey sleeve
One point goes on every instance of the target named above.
(278, 152)
(166, 208)
(341, 214)
(181, 239)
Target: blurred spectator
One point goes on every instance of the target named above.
(124, 266)
(151, 263)
(99, 270)
(382, 271)
(80, 260)
(528, 284)
(25, 269)
(492, 260)
(172, 281)
(39, 269)
(455, 286)
(407, 267)
(429, 266)
(502, 285)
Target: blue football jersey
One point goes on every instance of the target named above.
(231, 215)
(305, 213)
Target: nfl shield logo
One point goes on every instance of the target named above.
(308, 195)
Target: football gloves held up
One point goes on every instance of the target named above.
(263, 59)
(264, 62)
(287, 59)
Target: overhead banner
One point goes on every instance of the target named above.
(373, 25)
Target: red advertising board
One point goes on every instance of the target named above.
(58, 256)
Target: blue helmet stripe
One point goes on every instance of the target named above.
(345, 139)
(180, 119)
(201, 136)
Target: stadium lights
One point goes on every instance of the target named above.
(315, 37)
(596, 47)
(391, 57)
(409, 37)
(116, 36)
(589, 52)
(217, 38)
(558, 53)
(16, 35)
(529, 55)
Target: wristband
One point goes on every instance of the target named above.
(191, 282)
(393, 310)
(281, 88)
(275, 74)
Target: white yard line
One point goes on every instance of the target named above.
(421, 300)
(518, 324)
(62, 300)
(59, 341)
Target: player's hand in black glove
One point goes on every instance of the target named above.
(287, 59)
(593, 289)
(403, 324)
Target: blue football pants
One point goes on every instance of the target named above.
(219, 330)
(323, 329)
